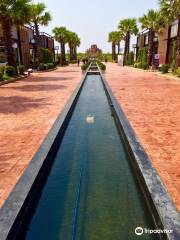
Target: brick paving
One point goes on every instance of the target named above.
(28, 109)
(152, 105)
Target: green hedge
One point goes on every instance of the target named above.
(43, 66)
(130, 59)
(1, 76)
(10, 71)
(142, 65)
(173, 64)
(164, 68)
(50, 65)
(178, 72)
(73, 61)
(21, 69)
(47, 56)
(101, 65)
(85, 66)
(2, 70)
(142, 55)
(142, 59)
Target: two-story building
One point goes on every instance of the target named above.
(172, 36)
(24, 44)
(21, 38)
(45, 41)
(163, 42)
(143, 41)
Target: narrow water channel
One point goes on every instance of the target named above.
(93, 159)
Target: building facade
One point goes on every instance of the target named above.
(172, 37)
(93, 51)
(163, 42)
(143, 41)
(24, 45)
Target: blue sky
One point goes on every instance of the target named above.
(94, 19)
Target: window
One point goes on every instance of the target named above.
(146, 40)
(138, 41)
(155, 37)
(30, 33)
(174, 29)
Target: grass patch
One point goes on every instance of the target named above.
(6, 77)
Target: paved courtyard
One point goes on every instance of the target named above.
(28, 109)
(152, 105)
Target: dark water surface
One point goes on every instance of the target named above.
(110, 203)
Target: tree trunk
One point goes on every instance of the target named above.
(113, 51)
(19, 44)
(178, 47)
(126, 48)
(118, 47)
(63, 54)
(37, 46)
(71, 52)
(6, 26)
(75, 53)
(150, 47)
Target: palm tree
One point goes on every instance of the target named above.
(128, 26)
(39, 17)
(12, 12)
(74, 42)
(114, 38)
(171, 9)
(119, 37)
(61, 36)
(71, 37)
(153, 22)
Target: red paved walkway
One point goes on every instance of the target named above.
(152, 104)
(28, 109)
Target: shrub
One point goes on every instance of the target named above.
(85, 66)
(73, 61)
(47, 56)
(142, 59)
(21, 69)
(10, 71)
(142, 55)
(101, 65)
(135, 64)
(130, 58)
(2, 69)
(139, 65)
(50, 65)
(173, 64)
(56, 63)
(1, 76)
(178, 72)
(42, 67)
(165, 68)
(66, 63)
(144, 65)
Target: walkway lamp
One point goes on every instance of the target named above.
(16, 52)
(33, 42)
(56, 48)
